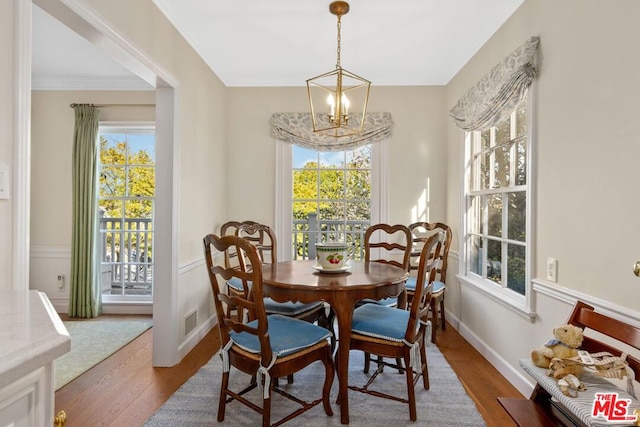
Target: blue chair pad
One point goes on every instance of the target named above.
(236, 283)
(379, 321)
(387, 302)
(287, 335)
(272, 307)
(288, 308)
(437, 287)
(410, 285)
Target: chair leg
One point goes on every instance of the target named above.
(222, 402)
(411, 393)
(290, 379)
(444, 324)
(367, 362)
(330, 318)
(424, 367)
(434, 319)
(266, 412)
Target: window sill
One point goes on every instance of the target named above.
(126, 301)
(517, 304)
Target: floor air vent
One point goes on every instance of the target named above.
(190, 321)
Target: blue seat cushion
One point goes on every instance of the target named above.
(288, 308)
(287, 335)
(387, 302)
(236, 283)
(272, 307)
(410, 285)
(379, 321)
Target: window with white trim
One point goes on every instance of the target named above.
(127, 168)
(331, 198)
(497, 212)
(338, 195)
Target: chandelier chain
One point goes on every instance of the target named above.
(338, 50)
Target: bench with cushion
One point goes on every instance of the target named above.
(548, 406)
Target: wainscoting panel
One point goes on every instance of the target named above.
(46, 264)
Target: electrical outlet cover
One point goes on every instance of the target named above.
(552, 269)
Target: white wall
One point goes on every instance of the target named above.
(416, 149)
(586, 151)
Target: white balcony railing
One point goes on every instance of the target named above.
(126, 248)
(307, 232)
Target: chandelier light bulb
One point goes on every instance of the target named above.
(332, 105)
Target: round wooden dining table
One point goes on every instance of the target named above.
(299, 281)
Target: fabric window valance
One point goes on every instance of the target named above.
(497, 94)
(296, 128)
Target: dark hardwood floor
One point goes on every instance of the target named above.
(125, 390)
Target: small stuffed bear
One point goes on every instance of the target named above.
(568, 339)
(560, 368)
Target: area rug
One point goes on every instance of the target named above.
(445, 404)
(92, 341)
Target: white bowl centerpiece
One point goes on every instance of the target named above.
(333, 255)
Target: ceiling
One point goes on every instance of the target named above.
(63, 60)
(285, 42)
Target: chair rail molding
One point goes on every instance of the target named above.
(570, 296)
(50, 251)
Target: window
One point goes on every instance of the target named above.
(497, 213)
(327, 196)
(331, 198)
(126, 207)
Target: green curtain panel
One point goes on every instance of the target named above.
(84, 300)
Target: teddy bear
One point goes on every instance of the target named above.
(562, 368)
(568, 338)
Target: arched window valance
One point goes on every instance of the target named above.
(296, 128)
(497, 94)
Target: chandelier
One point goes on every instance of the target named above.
(338, 98)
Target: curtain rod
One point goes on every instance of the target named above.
(74, 105)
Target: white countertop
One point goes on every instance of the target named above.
(31, 334)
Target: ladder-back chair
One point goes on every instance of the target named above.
(268, 347)
(420, 232)
(394, 333)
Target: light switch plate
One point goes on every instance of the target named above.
(4, 181)
(552, 269)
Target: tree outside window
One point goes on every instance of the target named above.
(126, 200)
(331, 198)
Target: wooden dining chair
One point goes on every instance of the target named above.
(420, 232)
(269, 346)
(387, 244)
(264, 239)
(394, 333)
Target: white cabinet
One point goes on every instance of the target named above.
(22, 403)
(32, 337)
